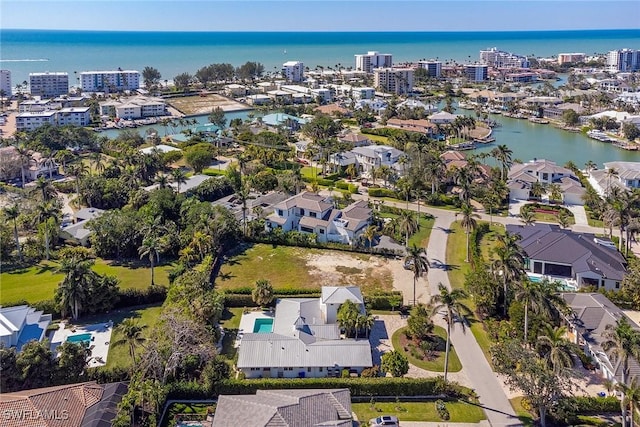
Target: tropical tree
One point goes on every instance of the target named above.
(151, 247)
(416, 258)
(502, 154)
(78, 278)
(45, 188)
(555, 348)
(178, 176)
(527, 217)
(395, 363)
(538, 297)
(509, 263)
(408, 224)
(537, 190)
(262, 294)
(564, 220)
(631, 393)
(47, 218)
(454, 311)
(370, 234)
(131, 335)
(347, 317)
(12, 214)
(469, 223)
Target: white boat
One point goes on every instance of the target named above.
(599, 135)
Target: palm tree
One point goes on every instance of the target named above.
(78, 277)
(370, 233)
(527, 217)
(455, 311)
(24, 155)
(46, 216)
(79, 169)
(45, 187)
(408, 224)
(131, 336)
(555, 348)
(178, 176)
(537, 190)
(610, 173)
(243, 194)
(509, 264)
(151, 247)
(162, 180)
(96, 162)
(12, 214)
(416, 258)
(555, 192)
(263, 293)
(537, 296)
(502, 154)
(468, 222)
(621, 342)
(564, 220)
(631, 393)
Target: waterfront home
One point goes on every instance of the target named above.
(555, 112)
(86, 404)
(522, 176)
(424, 127)
(333, 110)
(378, 106)
(302, 407)
(542, 101)
(160, 148)
(625, 175)
(414, 103)
(258, 99)
(137, 107)
(235, 90)
(442, 118)
(371, 157)
(315, 214)
(77, 231)
(302, 338)
(578, 258)
(289, 122)
(20, 324)
(590, 315)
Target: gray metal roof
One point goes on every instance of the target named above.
(340, 294)
(285, 408)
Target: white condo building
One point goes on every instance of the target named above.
(625, 60)
(371, 60)
(500, 59)
(293, 71)
(109, 81)
(476, 72)
(5, 83)
(31, 120)
(394, 80)
(49, 85)
(565, 58)
(434, 68)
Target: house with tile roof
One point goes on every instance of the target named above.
(583, 257)
(315, 214)
(522, 176)
(590, 315)
(285, 408)
(305, 340)
(20, 324)
(626, 175)
(73, 405)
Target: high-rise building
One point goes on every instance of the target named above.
(623, 60)
(394, 80)
(476, 72)
(293, 71)
(434, 68)
(5, 83)
(500, 59)
(371, 60)
(109, 81)
(565, 58)
(49, 85)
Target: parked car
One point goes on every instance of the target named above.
(384, 420)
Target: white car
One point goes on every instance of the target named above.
(384, 420)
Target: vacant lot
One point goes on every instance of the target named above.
(193, 105)
(40, 281)
(301, 268)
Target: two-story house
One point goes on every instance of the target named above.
(522, 176)
(625, 175)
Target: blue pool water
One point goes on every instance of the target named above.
(263, 326)
(85, 338)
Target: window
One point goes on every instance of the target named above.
(320, 369)
(312, 214)
(308, 369)
(280, 213)
(321, 231)
(617, 285)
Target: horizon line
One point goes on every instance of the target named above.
(322, 31)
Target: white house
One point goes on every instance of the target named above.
(312, 213)
(442, 118)
(77, 230)
(625, 175)
(304, 339)
(21, 324)
(372, 157)
(522, 176)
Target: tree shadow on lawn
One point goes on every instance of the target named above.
(22, 269)
(439, 265)
(117, 316)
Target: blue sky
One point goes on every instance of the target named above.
(325, 15)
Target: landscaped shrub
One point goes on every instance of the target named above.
(384, 301)
(381, 192)
(133, 297)
(590, 405)
(104, 375)
(342, 185)
(443, 412)
(48, 306)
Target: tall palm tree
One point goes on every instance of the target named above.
(370, 233)
(79, 170)
(610, 174)
(537, 190)
(97, 162)
(555, 348)
(509, 264)
(131, 336)
(621, 342)
(162, 180)
(537, 297)
(416, 258)
(468, 222)
(503, 154)
(78, 277)
(527, 217)
(178, 176)
(455, 311)
(408, 225)
(24, 156)
(631, 393)
(12, 214)
(151, 247)
(47, 216)
(45, 187)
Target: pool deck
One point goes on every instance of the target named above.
(101, 336)
(247, 321)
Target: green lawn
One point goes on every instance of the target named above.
(461, 412)
(435, 365)
(378, 139)
(40, 281)
(230, 321)
(421, 238)
(286, 267)
(524, 415)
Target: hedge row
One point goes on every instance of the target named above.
(590, 405)
(381, 192)
(358, 387)
(351, 188)
(378, 301)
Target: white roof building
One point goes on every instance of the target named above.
(21, 324)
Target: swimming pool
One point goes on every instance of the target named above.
(80, 338)
(263, 326)
(563, 284)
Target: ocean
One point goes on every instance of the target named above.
(172, 53)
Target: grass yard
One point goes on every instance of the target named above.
(288, 267)
(524, 415)
(40, 281)
(378, 139)
(461, 412)
(421, 238)
(230, 321)
(435, 365)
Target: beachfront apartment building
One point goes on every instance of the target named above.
(625, 60)
(293, 71)
(500, 59)
(5, 83)
(434, 68)
(109, 81)
(371, 60)
(394, 80)
(31, 120)
(77, 116)
(570, 58)
(134, 108)
(48, 85)
(476, 72)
